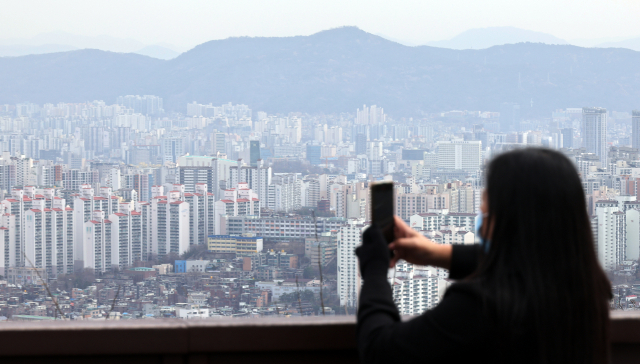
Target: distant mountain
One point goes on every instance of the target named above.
(76, 76)
(335, 71)
(488, 37)
(23, 50)
(102, 42)
(629, 44)
(157, 51)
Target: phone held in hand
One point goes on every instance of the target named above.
(383, 210)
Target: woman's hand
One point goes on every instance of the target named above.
(373, 254)
(417, 249)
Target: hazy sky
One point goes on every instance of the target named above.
(189, 22)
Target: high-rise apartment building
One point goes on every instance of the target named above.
(310, 192)
(465, 155)
(72, 179)
(439, 220)
(172, 149)
(169, 232)
(594, 133)
(370, 115)
(349, 280)
(7, 242)
(126, 238)
(99, 252)
(218, 141)
(285, 227)
(415, 288)
(609, 226)
(7, 175)
(333, 135)
(257, 177)
(201, 214)
(635, 129)
(240, 201)
(49, 239)
(616, 231)
(284, 193)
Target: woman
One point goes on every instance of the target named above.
(532, 292)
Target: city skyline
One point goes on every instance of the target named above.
(208, 159)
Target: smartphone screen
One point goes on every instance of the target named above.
(382, 211)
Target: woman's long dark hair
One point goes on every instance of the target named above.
(541, 267)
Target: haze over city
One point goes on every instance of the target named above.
(185, 25)
(215, 160)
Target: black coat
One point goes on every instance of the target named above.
(458, 330)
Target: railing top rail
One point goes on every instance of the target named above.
(175, 336)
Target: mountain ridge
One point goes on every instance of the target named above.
(481, 38)
(337, 70)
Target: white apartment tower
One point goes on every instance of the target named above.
(99, 251)
(459, 155)
(349, 280)
(126, 238)
(49, 239)
(201, 215)
(169, 231)
(370, 115)
(7, 242)
(609, 233)
(415, 288)
(284, 193)
(258, 178)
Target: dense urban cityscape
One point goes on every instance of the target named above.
(124, 211)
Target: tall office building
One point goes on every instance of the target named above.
(635, 129)
(254, 150)
(594, 132)
(567, 138)
(459, 155)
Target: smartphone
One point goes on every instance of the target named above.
(382, 212)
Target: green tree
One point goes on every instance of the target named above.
(308, 273)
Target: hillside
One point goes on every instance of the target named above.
(334, 71)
